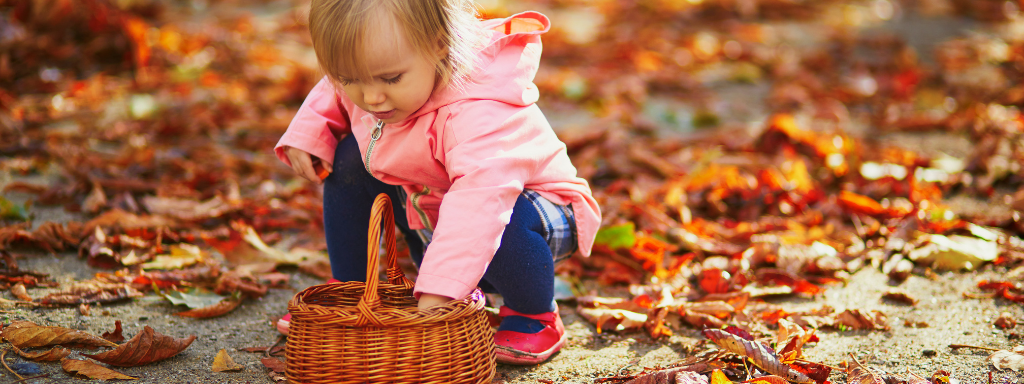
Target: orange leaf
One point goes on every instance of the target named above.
(146, 347)
(860, 203)
(768, 380)
(92, 370)
(221, 308)
(26, 334)
(116, 335)
(52, 354)
(718, 377)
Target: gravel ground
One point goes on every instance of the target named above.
(951, 318)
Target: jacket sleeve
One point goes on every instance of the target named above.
(490, 152)
(317, 126)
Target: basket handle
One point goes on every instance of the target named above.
(381, 211)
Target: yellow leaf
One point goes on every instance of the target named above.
(222, 362)
(182, 255)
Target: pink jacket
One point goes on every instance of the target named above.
(464, 157)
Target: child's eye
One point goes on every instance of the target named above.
(345, 81)
(393, 79)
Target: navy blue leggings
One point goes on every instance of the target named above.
(522, 270)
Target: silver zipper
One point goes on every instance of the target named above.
(377, 130)
(416, 204)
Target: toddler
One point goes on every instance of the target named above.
(423, 102)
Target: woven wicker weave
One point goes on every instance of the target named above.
(354, 332)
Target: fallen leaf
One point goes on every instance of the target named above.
(194, 298)
(617, 236)
(954, 252)
(900, 296)
(1006, 321)
(858, 374)
(185, 209)
(223, 362)
(612, 319)
(858, 319)
(685, 377)
(146, 347)
(91, 291)
(913, 378)
(92, 370)
(718, 377)
(182, 255)
(767, 380)
(52, 354)
(116, 336)
(26, 334)
(1012, 359)
(221, 308)
(275, 365)
(19, 291)
(760, 355)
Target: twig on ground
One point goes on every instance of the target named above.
(958, 346)
(990, 295)
(30, 378)
(2, 356)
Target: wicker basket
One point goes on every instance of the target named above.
(354, 332)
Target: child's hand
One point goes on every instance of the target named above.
(303, 164)
(427, 300)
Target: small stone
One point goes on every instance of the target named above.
(143, 318)
(929, 353)
(967, 332)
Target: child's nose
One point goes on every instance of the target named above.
(373, 96)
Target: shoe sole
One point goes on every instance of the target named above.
(282, 326)
(506, 355)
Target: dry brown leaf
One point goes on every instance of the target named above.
(116, 336)
(52, 354)
(857, 319)
(275, 365)
(612, 319)
(92, 370)
(681, 375)
(1006, 321)
(758, 353)
(91, 291)
(223, 362)
(19, 291)
(1012, 359)
(96, 200)
(26, 334)
(900, 296)
(146, 347)
(858, 374)
(221, 308)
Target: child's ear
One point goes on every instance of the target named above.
(442, 49)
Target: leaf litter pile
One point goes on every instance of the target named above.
(154, 128)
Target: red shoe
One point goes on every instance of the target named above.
(286, 320)
(529, 349)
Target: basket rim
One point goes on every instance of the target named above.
(450, 311)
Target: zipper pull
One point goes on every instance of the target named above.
(374, 135)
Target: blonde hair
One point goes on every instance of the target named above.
(338, 29)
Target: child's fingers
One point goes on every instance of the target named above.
(302, 163)
(324, 169)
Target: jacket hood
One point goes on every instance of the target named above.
(504, 68)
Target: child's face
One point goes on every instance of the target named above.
(402, 78)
